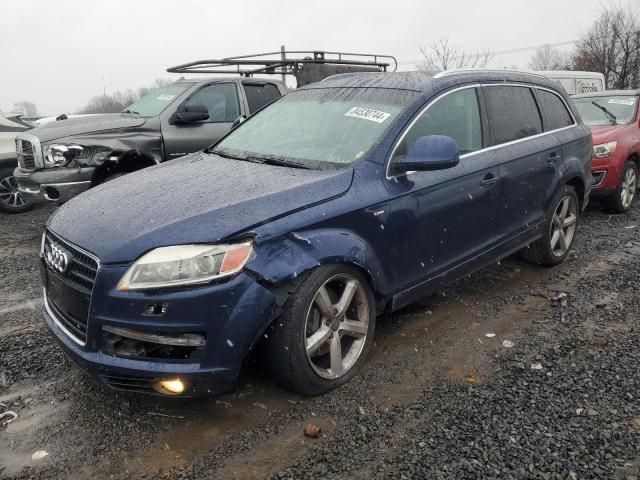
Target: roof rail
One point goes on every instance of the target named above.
(305, 65)
(446, 73)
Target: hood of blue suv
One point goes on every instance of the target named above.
(86, 124)
(200, 198)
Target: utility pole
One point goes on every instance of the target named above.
(283, 57)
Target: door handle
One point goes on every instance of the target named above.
(489, 181)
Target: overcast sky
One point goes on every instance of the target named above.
(57, 53)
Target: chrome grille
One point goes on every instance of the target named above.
(25, 154)
(81, 269)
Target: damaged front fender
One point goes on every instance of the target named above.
(284, 259)
(104, 149)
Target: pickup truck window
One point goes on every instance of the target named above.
(154, 103)
(221, 99)
(318, 128)
(259, 95)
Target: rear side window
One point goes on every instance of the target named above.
(554, 111)
(513, 113)
(455, 115)
(259, 95)
(221, 100)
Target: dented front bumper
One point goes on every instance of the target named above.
(231, 317)
(53, 185)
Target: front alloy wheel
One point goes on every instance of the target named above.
(337, 326)
(629, 187)
(11, 200)
(324, 333)
(620, 201)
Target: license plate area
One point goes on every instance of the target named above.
(69, 305)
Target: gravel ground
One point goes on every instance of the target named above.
(551, 392)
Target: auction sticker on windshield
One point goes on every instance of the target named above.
(166, 98)
(368, 114)
(621, 102)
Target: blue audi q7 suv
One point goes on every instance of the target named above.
(346, 198)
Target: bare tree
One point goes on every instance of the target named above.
(119, 100)
(612, 46)
(157, 83)
(25, 107)
(547, 58)
(441, 55)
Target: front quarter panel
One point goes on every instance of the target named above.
(145, 141)
(284, 259)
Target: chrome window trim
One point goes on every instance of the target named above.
(57, 322)
(482, 150)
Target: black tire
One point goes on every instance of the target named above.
(285, 350)
(11, 201)
(621, 200)
(542, 252)
(113, 176)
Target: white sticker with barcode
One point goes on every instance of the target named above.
(621, 101)
(368, 114)
(166, 98)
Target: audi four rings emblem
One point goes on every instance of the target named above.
(56, 258)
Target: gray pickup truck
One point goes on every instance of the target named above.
(60, 160)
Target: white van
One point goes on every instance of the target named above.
(577, 82)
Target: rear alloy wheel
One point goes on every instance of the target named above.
(11, 200)
(559, 231)
(563, 226)
(325, 331)
(620, 201)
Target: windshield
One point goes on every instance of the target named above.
(153, 103)
(613, 110)
(318, 128)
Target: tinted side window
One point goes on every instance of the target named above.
(221, 99)
(456, 115)
(554, 111)
(259, 95)
(513, 113)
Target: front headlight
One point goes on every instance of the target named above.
(60, 155)
(185, 265)
(604, 150)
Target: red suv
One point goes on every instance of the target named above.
(612, 116)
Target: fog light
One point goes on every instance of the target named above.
(173, 386)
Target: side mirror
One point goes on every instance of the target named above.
(191, 114)
(433, 152)
(238, 121)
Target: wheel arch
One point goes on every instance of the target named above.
(125, 162)
(578, 185)
(288, 259)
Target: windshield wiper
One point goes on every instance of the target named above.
(233, 157)
(130, 111)
(612, 117)
(277, 161)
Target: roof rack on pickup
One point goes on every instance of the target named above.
(306, 66)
